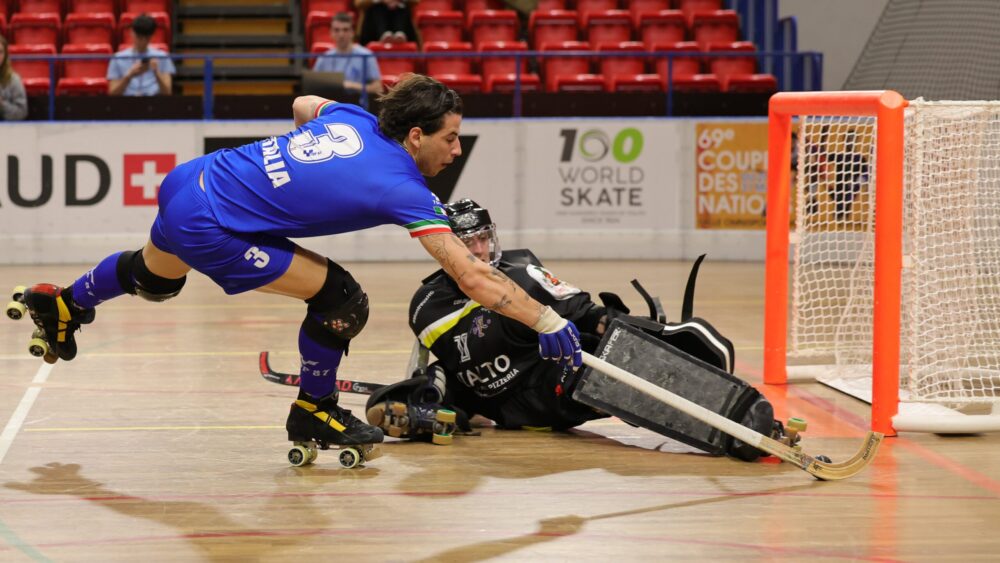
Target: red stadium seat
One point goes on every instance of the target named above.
(665, 26)
(440, 26)
(146, 6)
(433, 6)
(546, 5)
(554, 67)
(34, 29)
(578, 83)
(5, 7)
(318, 48)
(610, 26)
(720, 26)
(584, 7)
(707, 83)
(492, 25)
(471, 5)
(552, 26)
(507, 83)
(448, 65)
(683, 66)
(499, 73)
(34, 74)
(462, 83)
(3, 24)
(750, 83)
(82, 87)
(392, 67)
(81, 29)
(691, 7)
(724, 66)
(92, 7)
(636, 83)
(639, 7)
(86, 68)
(40, 7)
(161, 35)
(630, 65)
(502, 65)
(318, 27)
(330, 6)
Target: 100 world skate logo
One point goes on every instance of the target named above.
(595, 144)
(597, 170)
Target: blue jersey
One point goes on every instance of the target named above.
(337, 173)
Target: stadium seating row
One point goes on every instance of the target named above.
(691, 69)
(48, 29)
(559, 25)
(64, 7)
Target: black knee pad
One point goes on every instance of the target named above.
(136, 279)
(340, 307)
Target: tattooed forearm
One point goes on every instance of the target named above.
(500, 304)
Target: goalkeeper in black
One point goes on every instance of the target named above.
(487, 364)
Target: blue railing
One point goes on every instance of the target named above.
(795, 71)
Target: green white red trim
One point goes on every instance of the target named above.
(428, 227)
(319, 108)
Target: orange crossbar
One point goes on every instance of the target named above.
(887, 107)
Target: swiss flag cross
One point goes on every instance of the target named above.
(143, 174)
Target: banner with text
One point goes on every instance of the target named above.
(731, 175)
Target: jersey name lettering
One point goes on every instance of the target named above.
(274, 165)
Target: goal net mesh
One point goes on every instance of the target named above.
(950, 322)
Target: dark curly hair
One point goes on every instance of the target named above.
(416, 101)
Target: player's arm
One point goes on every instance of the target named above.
(492, 289)
(304, 108)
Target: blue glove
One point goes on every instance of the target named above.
(558, 339)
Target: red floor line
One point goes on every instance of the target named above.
(861, 424)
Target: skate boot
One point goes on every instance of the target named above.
(408, 409)
(55, 318)
(320, 423)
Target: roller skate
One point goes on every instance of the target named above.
(321, 424)
(412, 409)
(55, 320)
(789, 434)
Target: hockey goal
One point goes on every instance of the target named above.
(894, 289)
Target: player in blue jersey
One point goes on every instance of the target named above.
(228, 215)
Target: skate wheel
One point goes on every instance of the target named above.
(16, 310)
(38, 347)
(396, 432)
(441, 439)
(313, 454)
(398, 409)
(797, 424)
(349, 458)
(445, 415)
(18, 292)
(300, 455)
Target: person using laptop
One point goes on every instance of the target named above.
(357, 63)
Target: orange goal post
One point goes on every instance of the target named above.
(885, 283)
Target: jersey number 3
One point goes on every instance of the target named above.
(340, 140)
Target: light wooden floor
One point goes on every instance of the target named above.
(162, 443)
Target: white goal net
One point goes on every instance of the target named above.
(950, 322)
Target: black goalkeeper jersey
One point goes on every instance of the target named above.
(485, 354)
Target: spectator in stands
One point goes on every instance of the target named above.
(385, 20)
(356, 62)
(141, 70)
(13, 101)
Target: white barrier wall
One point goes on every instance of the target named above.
(567, 188)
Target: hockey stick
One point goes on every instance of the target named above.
(292, 379)
(824, 471)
